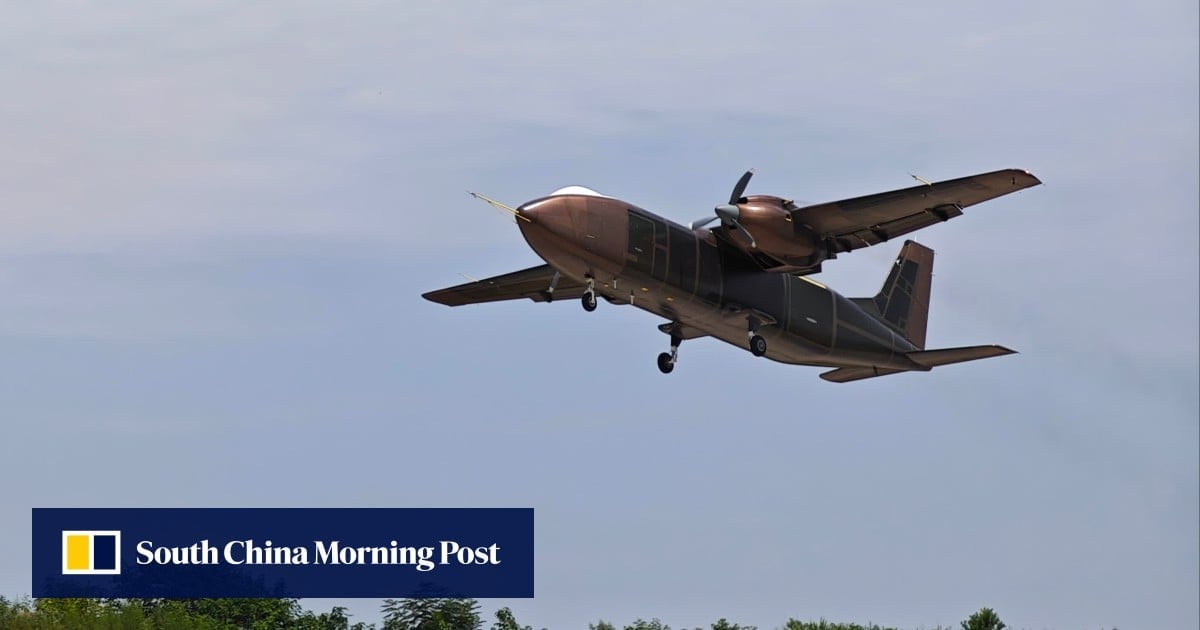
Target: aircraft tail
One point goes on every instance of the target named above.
(903, 302)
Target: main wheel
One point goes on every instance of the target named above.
(665, 364)
(758, 346)
(589, 302)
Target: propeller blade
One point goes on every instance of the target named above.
(740, 187)
(729, 213)
(746, 232)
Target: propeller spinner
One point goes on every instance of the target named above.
(729, 213)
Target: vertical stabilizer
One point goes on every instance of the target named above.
(903, 302)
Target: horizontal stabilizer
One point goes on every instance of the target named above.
(847, 374)
(946, 356)
(926, 359)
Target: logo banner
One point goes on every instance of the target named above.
(282, 552)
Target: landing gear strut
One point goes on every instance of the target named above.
(549, 292)
(758, 345)
(589, 296)
(666, 360)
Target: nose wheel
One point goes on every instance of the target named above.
(589, 297)
(666, 360)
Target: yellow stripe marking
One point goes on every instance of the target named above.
(812, 282)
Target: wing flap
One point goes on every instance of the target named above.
(887, 230)
(529, 283)
(847, 374)
(684, 332)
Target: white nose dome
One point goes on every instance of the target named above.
(577, 190)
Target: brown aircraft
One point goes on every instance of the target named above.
(745, 281)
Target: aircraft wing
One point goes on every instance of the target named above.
(529, 283)
(864, 221)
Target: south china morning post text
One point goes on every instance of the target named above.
(283, 552)
(243, 552)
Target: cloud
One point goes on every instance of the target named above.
(164, 121)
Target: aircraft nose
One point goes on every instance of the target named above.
(551, 215)
(529, 211)
(544, 210)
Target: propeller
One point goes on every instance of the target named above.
(729, 213)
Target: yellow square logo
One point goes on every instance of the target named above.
(91, 552)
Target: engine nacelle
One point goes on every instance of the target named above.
(769, 220)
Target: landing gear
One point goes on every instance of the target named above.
(666, 360)
(758, 345)
(665, 363)
(589, 296)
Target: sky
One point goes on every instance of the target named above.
(216, 221)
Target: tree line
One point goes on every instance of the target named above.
(287, 614)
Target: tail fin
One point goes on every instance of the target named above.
(903, 302)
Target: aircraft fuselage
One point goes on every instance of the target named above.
(704, 285)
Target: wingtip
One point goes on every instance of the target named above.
(433, 296)
(1031, 179)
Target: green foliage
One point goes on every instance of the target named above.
(431, 614)
(985, 619)
(251, 614)
(795, 624)
(722, 624)
(506, 620)
(286, 614)
(16, 614)
(166, 614)
(335, 619)
(653, 624)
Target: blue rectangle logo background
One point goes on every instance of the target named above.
(104, 552)
(202, 552)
